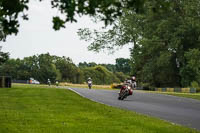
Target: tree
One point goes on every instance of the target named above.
(83, 65)
(43, 68)
(121, 76)
(68, 70)
(109, 10)
(7, 68)
(123, 65)
(9, 13)
(16, 68)
(110, 67)
(3, 56)
(191, 72)
(100, 75)
(160, 39)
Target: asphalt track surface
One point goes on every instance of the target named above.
(183, 111)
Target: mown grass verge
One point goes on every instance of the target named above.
(106, 87)
(187, 95)
(33, 109)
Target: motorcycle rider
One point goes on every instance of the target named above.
(89, 81)
(129, 84)
(133, 82)
(57, 83)
(49, 82)
(125, 90)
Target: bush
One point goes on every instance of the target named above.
(152, 89)
(100, 75)
(195, 84)
(121, 76)
(145, 86)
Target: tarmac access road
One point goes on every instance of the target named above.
(183, 111)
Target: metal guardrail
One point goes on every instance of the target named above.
(21, 81)
(184, 90)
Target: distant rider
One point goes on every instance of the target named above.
(49, 82)
(89, 81)
(57, 83)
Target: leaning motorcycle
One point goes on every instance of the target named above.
(124, 92)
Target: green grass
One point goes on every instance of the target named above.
(187, 95)
(37, 109)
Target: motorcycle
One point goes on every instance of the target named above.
(124, 92)
(90, 84)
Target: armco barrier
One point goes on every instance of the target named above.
(158, 89)
(184, 90)
(177, 89)
(170, 89)
(193, 90)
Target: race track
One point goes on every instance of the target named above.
(178, 110)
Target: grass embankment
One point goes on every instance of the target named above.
(107, 87)
(30, 109)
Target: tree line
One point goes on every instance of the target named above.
(166, 43)
(45, 66)
(165, 34)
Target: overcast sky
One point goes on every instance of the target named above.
(36, 36)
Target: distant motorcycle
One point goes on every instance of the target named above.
(125, 91)
(89, 84)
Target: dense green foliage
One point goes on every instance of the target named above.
(34, 109)
(3, 56)
(100, 75)
(162, 57)
(12, 10)
(121, 65)
(165, 34)
(41, 67)
(166, 43)
(107, 73)
(45, 66)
